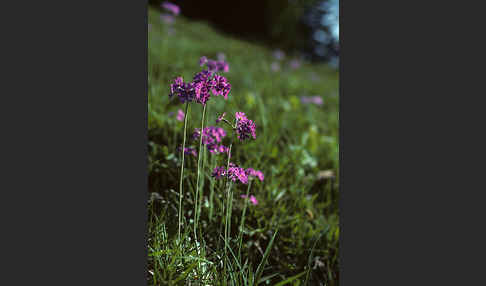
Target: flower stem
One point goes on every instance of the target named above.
(242, 224)
(182, 173)
(198, 173)
(228, 206)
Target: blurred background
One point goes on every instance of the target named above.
(309, 28)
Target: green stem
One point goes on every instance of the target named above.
(198, 173)
(186, 115)
(242, 224)
(226, 234)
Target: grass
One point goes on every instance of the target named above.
(289, 238)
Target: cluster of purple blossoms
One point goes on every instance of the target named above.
(173, 8)
(199, 90)
(211, 136)
(250, 172)
(235, 173)
(213, 65)
(180, 115)
(188, 151)
(279, 54)
(317, 100)
(245, 128)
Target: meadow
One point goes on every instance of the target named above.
(288, 233)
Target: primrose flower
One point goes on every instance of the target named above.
(180, 115)
(317, 100)
(295, 64)
(221, 86)
(202, 61)
(245, 128)
(211, 136)
(253, 200)
(233, 173)
(219, 172)
(188, 151)
(173, 8)
(255, 174)
(185, 91)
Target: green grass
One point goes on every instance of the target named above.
(291, 237)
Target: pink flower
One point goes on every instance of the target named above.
(220, 117)
(180, 115)
(295, 64)
(253, 200)
(173, 8)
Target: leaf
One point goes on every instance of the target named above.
(259, 270)
(287, 281)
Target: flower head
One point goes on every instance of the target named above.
(211, 136)
(250, 172)
(188, 151)
(221, 86)
(185, 91)
(253, 200)
(168, 19)
(233, 173)
(245, 128)
(317, 100)
(219, 172)
(173, 8)
(202, 61)
(279, 54)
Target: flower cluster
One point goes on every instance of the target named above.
(235, 173)
(213, 65)
(199, 90)
(317, 100)
(245, 128)
(188, 151)
(255, 174)
(211, 136)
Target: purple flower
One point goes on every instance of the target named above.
(168, 19)
(185, 91)
(202, 93)
(219, 172)
(245, 128)
(202, 61)
(188, 151)
(221, 56)
(295, 64)
(211, 136)
(255, 174)
(174, 9)
(317, 100)
(180, 115)
(221, 86)
(233, 173)
(253, 200)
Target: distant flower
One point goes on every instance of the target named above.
(295, 64)
(168, 19)
(174, 9)
(221, 117)
(253, 200)
(279, 54)
(202, 61)
(245, 128)
(275, 67)
(188, 151)
(221, 56)
(317, 100)
(180, 115)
